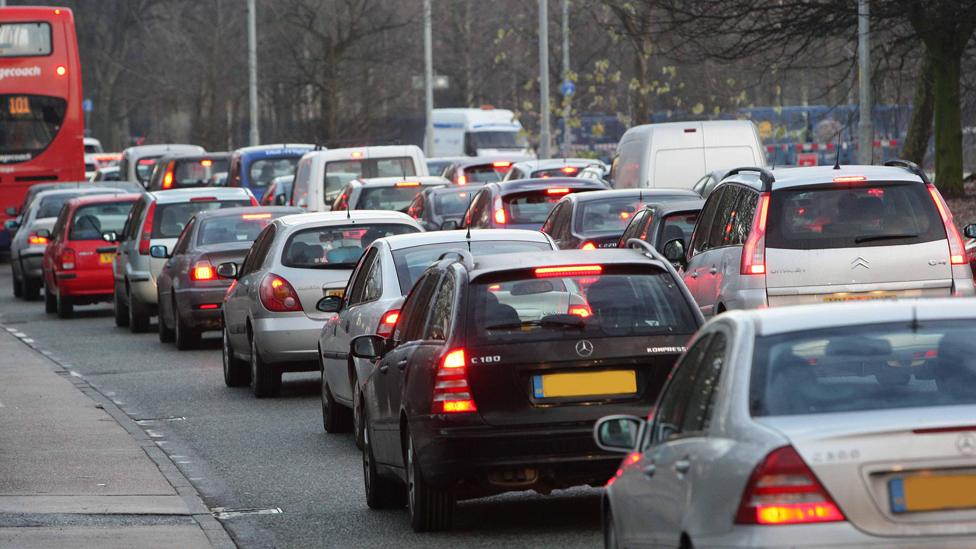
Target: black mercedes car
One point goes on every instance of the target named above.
(190, 293)
(499, 366)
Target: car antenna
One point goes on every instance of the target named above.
(773, 167)
(348, 213)
(837, 161)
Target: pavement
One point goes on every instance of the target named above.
(75, 471)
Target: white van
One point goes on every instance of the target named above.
(677, 154)
(477, 132)
(321, 175)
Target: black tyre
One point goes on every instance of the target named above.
(236, 371)
(65, 305)
(32, 288)
(18, 285)
(431, 508)
(165, 332)
(50, 300)
(121, 311)
(138, 318)
(358, 422)
(265, 378)
(186, 337)
(381, 492)
(336, 418)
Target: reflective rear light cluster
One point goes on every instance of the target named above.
(278, 296)
(388, 323)
(203, 270)
(147, 225)
(754, 250)
(783, 490)
(35, 239)
(957, 247)
(452, 394)
(582, 311)
(67, 259)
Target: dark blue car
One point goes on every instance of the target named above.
(255, 167)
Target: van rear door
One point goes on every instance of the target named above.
(676, 155)
(731, 145)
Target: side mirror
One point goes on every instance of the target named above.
(110, 236)
(159, 252)
(674, 251)
(371, 347)
(227, 270)
(11, 224)
(619, 433)
(43, 233)
(969, 230)
(11, 211)
(329, 304)
(281, 200)
(450, 225)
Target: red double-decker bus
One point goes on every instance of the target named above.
(41, 120)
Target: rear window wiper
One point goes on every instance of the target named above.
(872, 238)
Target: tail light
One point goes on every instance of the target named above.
(957, 249)
(754, 250)
(557, 190)
(582, 311)
(500, 216)
(168, 177)
(35, 239)
(147, 225)
(202, 270)
(569, 170)
(588, 246)
(278, 296)
(452, 394)
(68, 259)
(407, 184)
(388, 323)
(462, 180)
(783, 490)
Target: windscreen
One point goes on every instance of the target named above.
(232, 228)
(336, 246)
(634, 302)
(848, 217)
(263, 171)
(89, 222)
(169, 219)
(530, 208)
(144, 168)
(874, 367)
(452, 203)
(387, 198)
(197, 172)
(606, 215)
(50, 206)
(25, 40)
(340, 172)
(29, 124)
(492, 140)
(411, 262)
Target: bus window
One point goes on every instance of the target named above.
(25, 40)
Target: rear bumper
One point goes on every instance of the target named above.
(189, 300)
(85, 282)
(837, 535)
(290, 338)
(31, 264)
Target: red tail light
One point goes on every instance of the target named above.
(754, 250)
(147, 226)
(254, 201)
(68, 259)
(588, 246)
(256, 216)
(462, 180)
(452, 394)
(582, 311)
(499, 165)
(783, 490)
(168, 178)
(35, 239)
(278, 296)
(957, 249)
(203, 270)
(569, 169)
(388, 323)
(407, 184)
(569, 270)
(557, 190)
(208, 306)
(500, 216)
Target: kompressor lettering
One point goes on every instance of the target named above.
(20, 72)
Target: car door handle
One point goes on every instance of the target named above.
(649, 470)
(384, 368)
(682, 466)
(713, 270)
(402, 364)
(345, 327)
(694, 274)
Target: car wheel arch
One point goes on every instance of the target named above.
(404, 435)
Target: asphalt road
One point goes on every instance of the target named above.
(247, 454)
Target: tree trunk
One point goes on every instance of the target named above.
(920, 126)
(948, 122)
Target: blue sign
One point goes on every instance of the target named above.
(87, 105)
(567, 87)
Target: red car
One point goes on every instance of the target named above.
(78, 261)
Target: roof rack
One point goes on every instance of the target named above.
(463, 255)
(910, 166)
(765, 176)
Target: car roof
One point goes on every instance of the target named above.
(522, 185)
(76, 190)
(163, 148)
(668, 206)
(276, 147)
(451, 188)
(636, 193)
(401, 241)
(425, 181)
(100, 198)
(195, 156)
(468, 161)
(818, 175)
(780, 320)
(550, 163)
(182, 195)
(245, 210)
(344, 216)
(488, 264)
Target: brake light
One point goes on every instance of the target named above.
(850, 179)
(501, 165)
(35, 239)
(208, 306)
(278, 296)
(68, 259)
(500, 216)
(783, 490)
(557, 190)
(204, 199)
(462, 180)
(569, 170)
(408, 183)
(582, 311)
(256, 216)
(357, 154)
(203, 270)
(957, 249)
(754, 250)
(206, 163)
(168, 178)
(569, 270)
(147, 225)
(588, 246)
(388, 323)
(452, 394)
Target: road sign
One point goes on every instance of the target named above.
(567, 87)
(87, 105)
(807, 159)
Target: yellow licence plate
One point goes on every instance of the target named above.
(932, 493)
(618, 382)
(106, 257)
(871, 296)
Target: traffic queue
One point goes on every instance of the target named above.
(744, 364)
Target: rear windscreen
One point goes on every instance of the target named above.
(197, 172)
(90, 222)
(235, 228)
(340, 172)
(565, 171)
(411, 262)
(622, 303)
(530, 207)
(484, 174)
(144, 168)
(336, 246)
(262, 172)
(169, 219)
(677, 226)
(452, 203)
(386, 198)
(607, 215)
(848, 217)
(50, 206)
(874, 367)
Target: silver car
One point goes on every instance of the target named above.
(813, 235)
(34, 231)
(371, 301)
(271, 322)
(815, 426)
(157, 219)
